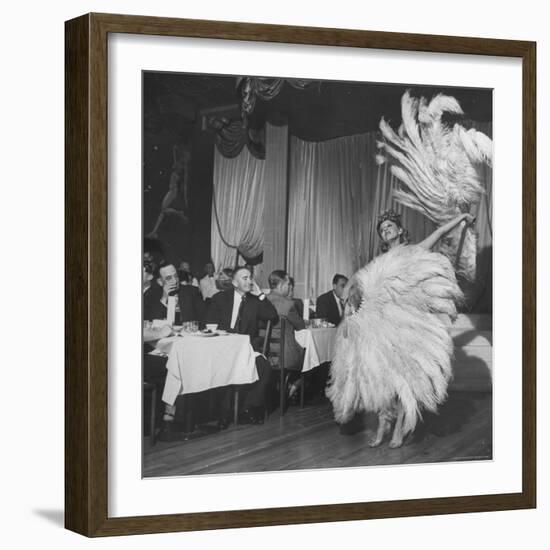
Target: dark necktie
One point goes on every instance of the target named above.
(240, 314)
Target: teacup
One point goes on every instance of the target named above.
(212, 327)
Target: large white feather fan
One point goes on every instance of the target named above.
(396, 343)
(437, 165)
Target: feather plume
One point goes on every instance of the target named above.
(396, 344)
(437, 167)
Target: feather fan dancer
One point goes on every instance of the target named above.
(393, 352)
(393, 349)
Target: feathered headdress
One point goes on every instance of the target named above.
(437, 167)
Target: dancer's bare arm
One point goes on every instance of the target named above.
(430, 241)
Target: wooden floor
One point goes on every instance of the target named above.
(309, 438)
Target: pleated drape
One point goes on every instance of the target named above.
(237, 208)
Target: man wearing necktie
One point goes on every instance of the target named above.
(330, 306)
(241, 310)
(189, 304)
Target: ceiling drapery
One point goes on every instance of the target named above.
(233, 135)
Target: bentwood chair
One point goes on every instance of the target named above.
(274, 348)
(273, 351)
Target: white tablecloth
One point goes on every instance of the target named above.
(199, 363)
(319, 345)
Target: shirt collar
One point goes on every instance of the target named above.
(238, 296)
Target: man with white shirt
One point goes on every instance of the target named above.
(330, 306)
(189, 306)
(241, 310)
(207, 284)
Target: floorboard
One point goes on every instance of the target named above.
(308, 438)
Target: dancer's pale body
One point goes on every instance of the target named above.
(391, 234)
(393, 350)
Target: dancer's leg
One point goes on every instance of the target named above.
(397, 437)
(384, 423)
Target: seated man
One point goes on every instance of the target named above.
(189, 307)
(189, 304)
(279, 284)
(154, 366)
(240, 310)
(330, 306)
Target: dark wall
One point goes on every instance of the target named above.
(178, 240)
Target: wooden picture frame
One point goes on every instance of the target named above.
(86, 279)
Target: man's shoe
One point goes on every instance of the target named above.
(258, 415)
(168, 432)
(223, 423)
(246, 417)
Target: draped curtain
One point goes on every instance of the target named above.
(237, 208)
(336, 192)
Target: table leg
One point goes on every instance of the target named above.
(236, 407)
(188, 412)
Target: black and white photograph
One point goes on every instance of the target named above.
(317, 274)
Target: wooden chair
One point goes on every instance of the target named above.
(277, 360)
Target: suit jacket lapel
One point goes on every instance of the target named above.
(335, 306)
(246, 314)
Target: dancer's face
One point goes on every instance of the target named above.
(390, 231)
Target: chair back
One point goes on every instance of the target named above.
(267, 338)
(276, 344)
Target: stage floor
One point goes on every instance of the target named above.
(309, 438)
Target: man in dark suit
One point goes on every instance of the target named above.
(241, 310)
(189, 304)
(279, 282)
(330, 306)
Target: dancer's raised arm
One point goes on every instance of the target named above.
(430, 241)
